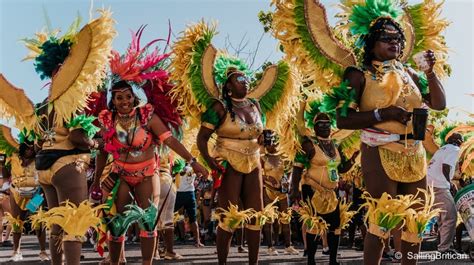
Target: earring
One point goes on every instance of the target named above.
(229, 93)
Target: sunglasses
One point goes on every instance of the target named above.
(242, 79)
(323, 123)
(390, 38)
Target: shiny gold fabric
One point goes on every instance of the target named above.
(275, 172)
(317, 174)
(376, 95)
(81, 161)
(324, 200)
(406, 167)
(237, 142)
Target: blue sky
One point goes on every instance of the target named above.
(237, 20)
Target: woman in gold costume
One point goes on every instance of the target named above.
(276, 185)
(23, 188)
(238, 127)
(395, 166)
(323, 162)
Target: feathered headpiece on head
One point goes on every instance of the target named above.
(49, 51)
(226, 65)
(365, 15)
(137, 64)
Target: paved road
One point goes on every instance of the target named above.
(194, 255)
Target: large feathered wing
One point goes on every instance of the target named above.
(8, 143)
(192, 68)
(429, 27)
(309, 43)
(15, 104)
(84, 69)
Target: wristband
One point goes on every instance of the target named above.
(377, 115)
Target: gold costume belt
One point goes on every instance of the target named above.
(242, 155)
(324, 200)
(406, 167)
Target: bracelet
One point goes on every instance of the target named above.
(377, 115)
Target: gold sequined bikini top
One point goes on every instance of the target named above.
(239, 129)
(318, 172)
(376, 96)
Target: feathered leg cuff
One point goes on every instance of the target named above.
(117, 239)
(253, 227)
(73, 238)
(378, 231)
(411, 237)
(148, 234)
(16, 223)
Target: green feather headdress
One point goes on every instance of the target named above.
(224, 63)
(365, 15)
(48, 50)
(315, 107)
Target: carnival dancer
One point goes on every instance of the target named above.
(276, 186)
(323, 163)
(378, 95)
(216, 89)
(75, 63)
(24, 190)
(131, 133)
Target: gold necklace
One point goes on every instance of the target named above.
(126, 121)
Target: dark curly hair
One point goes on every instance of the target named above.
(121, 84)
(374, 34)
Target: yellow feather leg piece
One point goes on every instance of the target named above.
(392, 85)
(74, 220)
(67, 101)
(387, 212)
(345, 214)
(417, 219)
(38, 218)
(16, 223)
(268, 215)
(233, 218)
(314, 223)
(285, 217)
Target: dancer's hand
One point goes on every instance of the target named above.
(214, 164)
(431, 60)
(395, 113)
(200, 170)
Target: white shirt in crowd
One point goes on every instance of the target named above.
(449, 155)
(187, 180)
